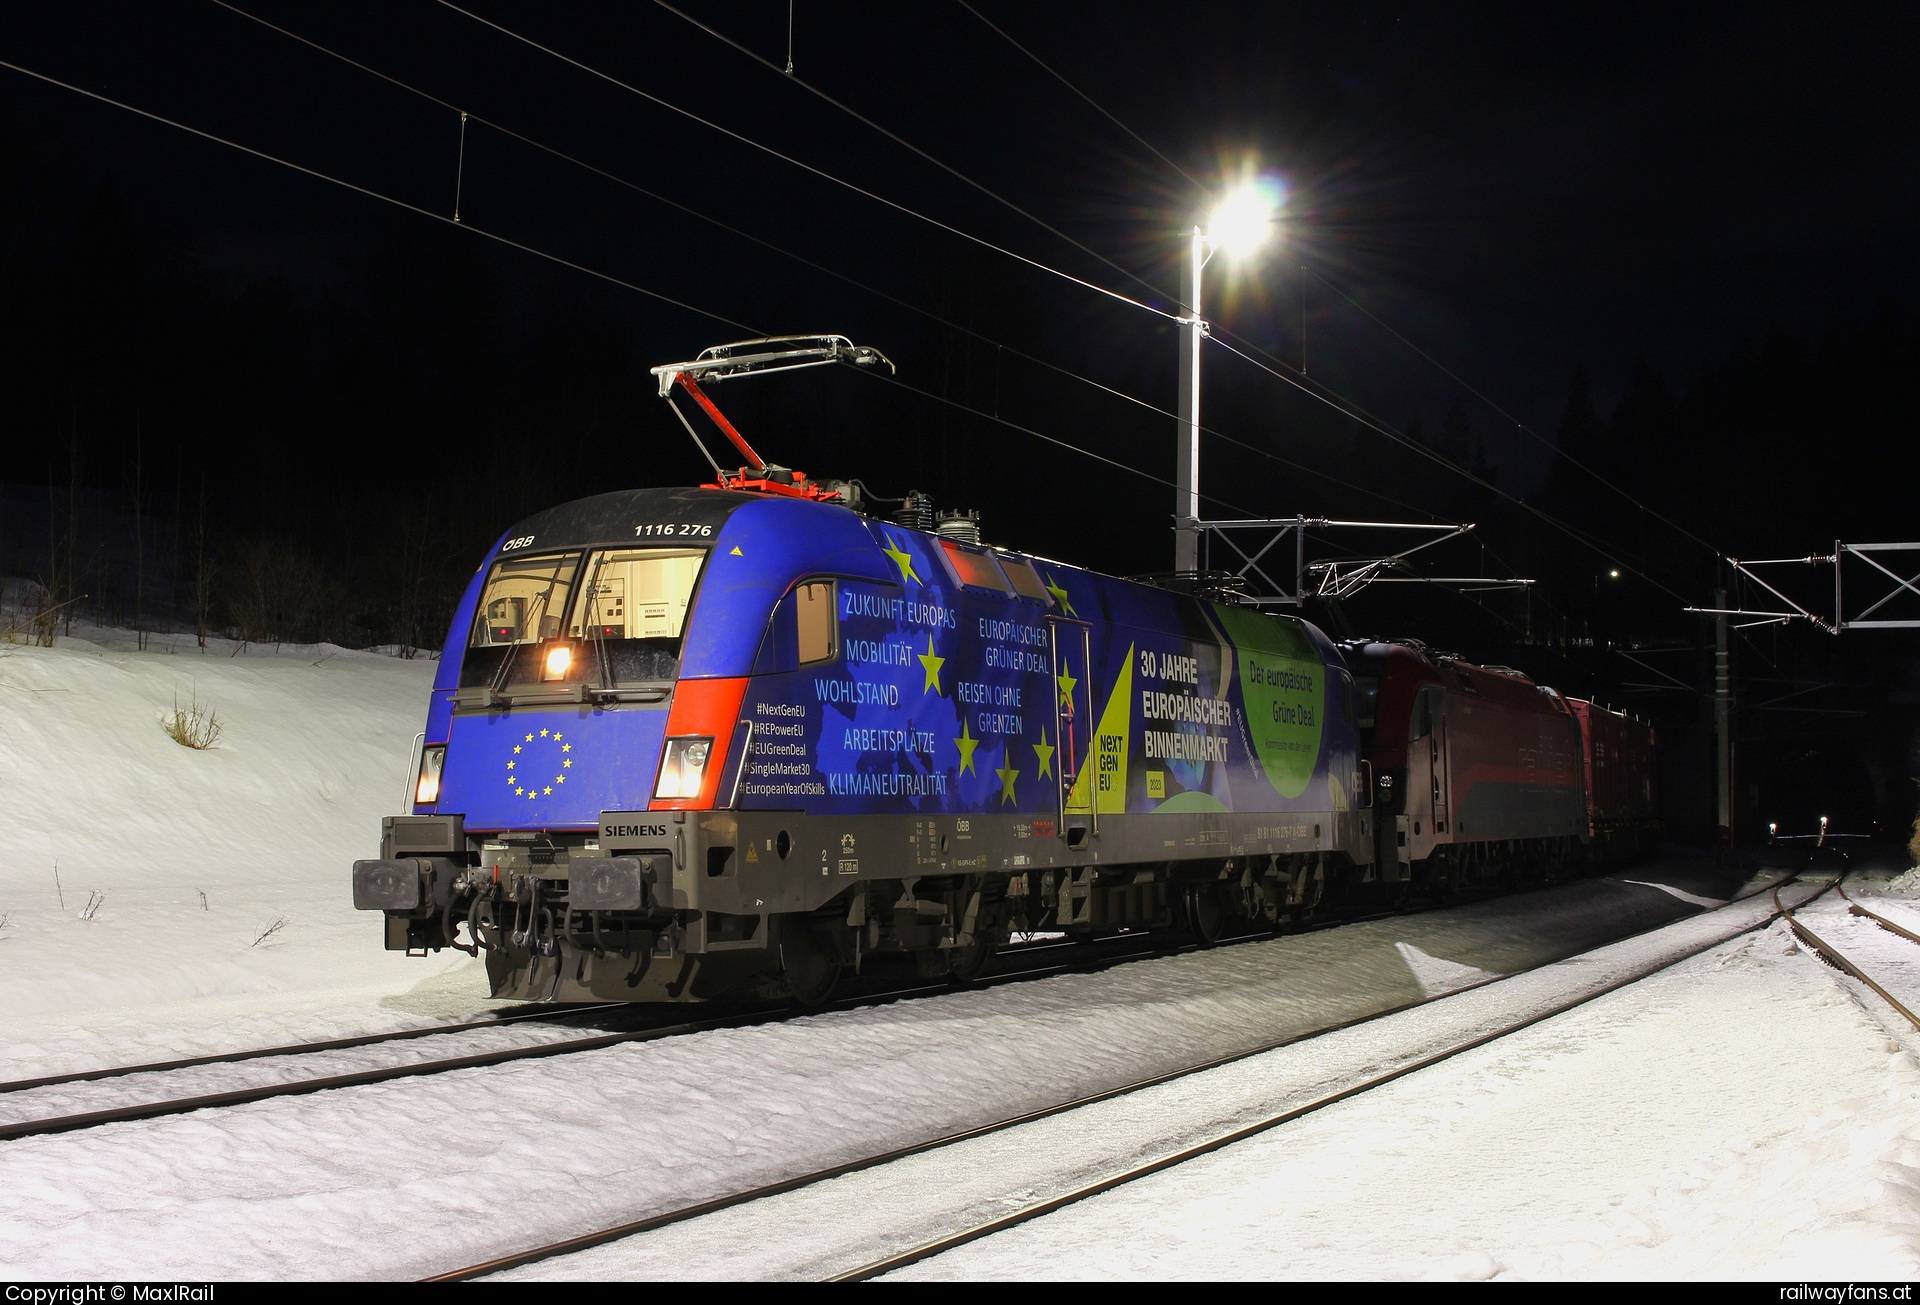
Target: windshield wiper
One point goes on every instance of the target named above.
(593, 621)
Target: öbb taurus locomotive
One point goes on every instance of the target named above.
(734, 740)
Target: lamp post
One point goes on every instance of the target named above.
(1239, 225)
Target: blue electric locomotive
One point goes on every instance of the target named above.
(733, 740)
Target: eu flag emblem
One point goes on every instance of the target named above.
(539, 764)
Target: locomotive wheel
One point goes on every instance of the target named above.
(1206, 917)
(966, 963)
(809, 967)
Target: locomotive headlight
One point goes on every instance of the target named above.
(559, 661)
(426, 788)
(683, 770)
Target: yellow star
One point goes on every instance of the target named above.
(518, 791)
(567, 764)
(932, 665)
(1060, 597)
(512, 764)
(966, 743)
(512, 780)
(532, 796)
(902, 559)
(1066, 683)
(544, 733)
(529, 739)
(1044, 751)
(1007, 775)
(556, 736)
(549, 790)
(566, 747)
(516, 747)
(559, 779)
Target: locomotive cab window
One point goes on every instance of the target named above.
(547, 623)
(524, 599)
(816, 632)
(632, 611)
(805, 630)
(637, 593)
(1420, 719)
(1347, 708)
(1366, 699)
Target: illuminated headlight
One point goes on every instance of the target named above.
(426, 789)
(559, 661)
(684, 768)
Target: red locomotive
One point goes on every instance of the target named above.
(1482, 776)
(1617, 756)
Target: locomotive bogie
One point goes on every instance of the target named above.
(731, 887)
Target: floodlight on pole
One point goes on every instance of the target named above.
(1239, 224)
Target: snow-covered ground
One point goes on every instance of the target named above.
(190, 858)
(1738, 1116)
(1745, 1113)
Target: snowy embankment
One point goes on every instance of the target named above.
(160, 900)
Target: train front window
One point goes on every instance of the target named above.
(524, 600)
(637, 593)
(632, 611)
(612, 618)
(1366, 699)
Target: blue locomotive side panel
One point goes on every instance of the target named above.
(950, 697)
(952, 683)
(760, 550)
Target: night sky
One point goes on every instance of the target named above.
(1655, 196)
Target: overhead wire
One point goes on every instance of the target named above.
(1310, 386)
(802, 259)
(372, 194)
(906, 144)
(1466, 385)
(610, 78)
(1223, 336)
(1347, 406)
(560, 260)
(1435, 456)
(810, 168)
(1001, 32)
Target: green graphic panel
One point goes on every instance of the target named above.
(1192, 801)
(1283, 687)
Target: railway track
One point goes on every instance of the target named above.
(199, 1083)
(293, 1049)
(527, 1034)
(928, 1152)
(17, 1097)
(1835, 954)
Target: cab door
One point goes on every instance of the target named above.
(1072, 648)
(1426, 777)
